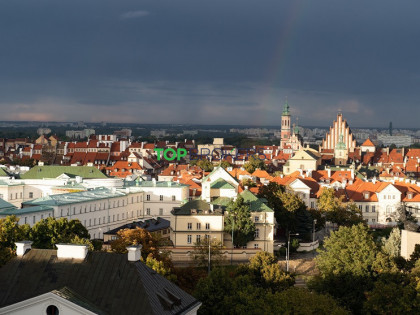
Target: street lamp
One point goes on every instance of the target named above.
(288, 250)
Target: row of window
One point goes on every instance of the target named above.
(367, 208)
(148, 197)
(31, 195)
(25, 219)
(103, 221)
(198, 225)
(198, 239)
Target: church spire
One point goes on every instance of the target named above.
(286, 110)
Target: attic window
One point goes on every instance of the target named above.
(52, 310)
(366, 195)
(410, 195)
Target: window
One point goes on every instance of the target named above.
(207, 226)
(198, 226)
(148, 211)
(42, 216)
(74, 210)
(373, 220)
(20, 195)
(207, 236)
(161, 197)
(189, 226)
(84, 222)
(367, 208)
(52, 310)
(360, 207)
(113, 218)
(189, 237)
(384, 196)
(173, 198)
(25, 220)
(257, 219)
(312, 205)
(16, 196)
(94, 221)
(160, 211)
(99, 221)
(33, 220)
(123, 216)
(256, 246)
(257, 233)
(118, 217)
(373, 208)
(113, 237)
(198, 238)
(148, 197)
(90, 222)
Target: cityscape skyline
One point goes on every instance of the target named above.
(208, 62)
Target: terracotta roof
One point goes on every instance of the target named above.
(368, 143)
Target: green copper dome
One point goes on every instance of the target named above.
(341, 145)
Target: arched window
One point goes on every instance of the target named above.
(52, 310)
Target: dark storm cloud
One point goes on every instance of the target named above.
(219, 61)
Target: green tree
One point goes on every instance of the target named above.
(200, 253)
(261, 260)
(204, 164)
(303, 301)
(392, 244)
(82, 241)
(239, 220)
(50, 231)
(348, 250)
(336, 211)
(248, 182)
(276, 278)
(127, 237)
(328, 202)
(272, 193)
(11, 232)
(253, 163)
(393, 294)
(225, 164)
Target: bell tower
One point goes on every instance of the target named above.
(285, 125)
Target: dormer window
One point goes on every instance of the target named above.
(410, 195)
(366, 195)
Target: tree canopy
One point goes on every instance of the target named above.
(253, 163)
(127, 237)
(50, 231)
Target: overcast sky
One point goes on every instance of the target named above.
(211, 61)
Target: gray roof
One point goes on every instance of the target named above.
(15, 211)
(76, 197)
(106, 281)
(150, 225)
(199, 206)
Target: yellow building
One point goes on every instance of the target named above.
(305, 160)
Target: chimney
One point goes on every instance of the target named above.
(76, 251)
(329, 172)
(134, 252)
(22, 247)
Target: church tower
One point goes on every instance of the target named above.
(285, 125)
